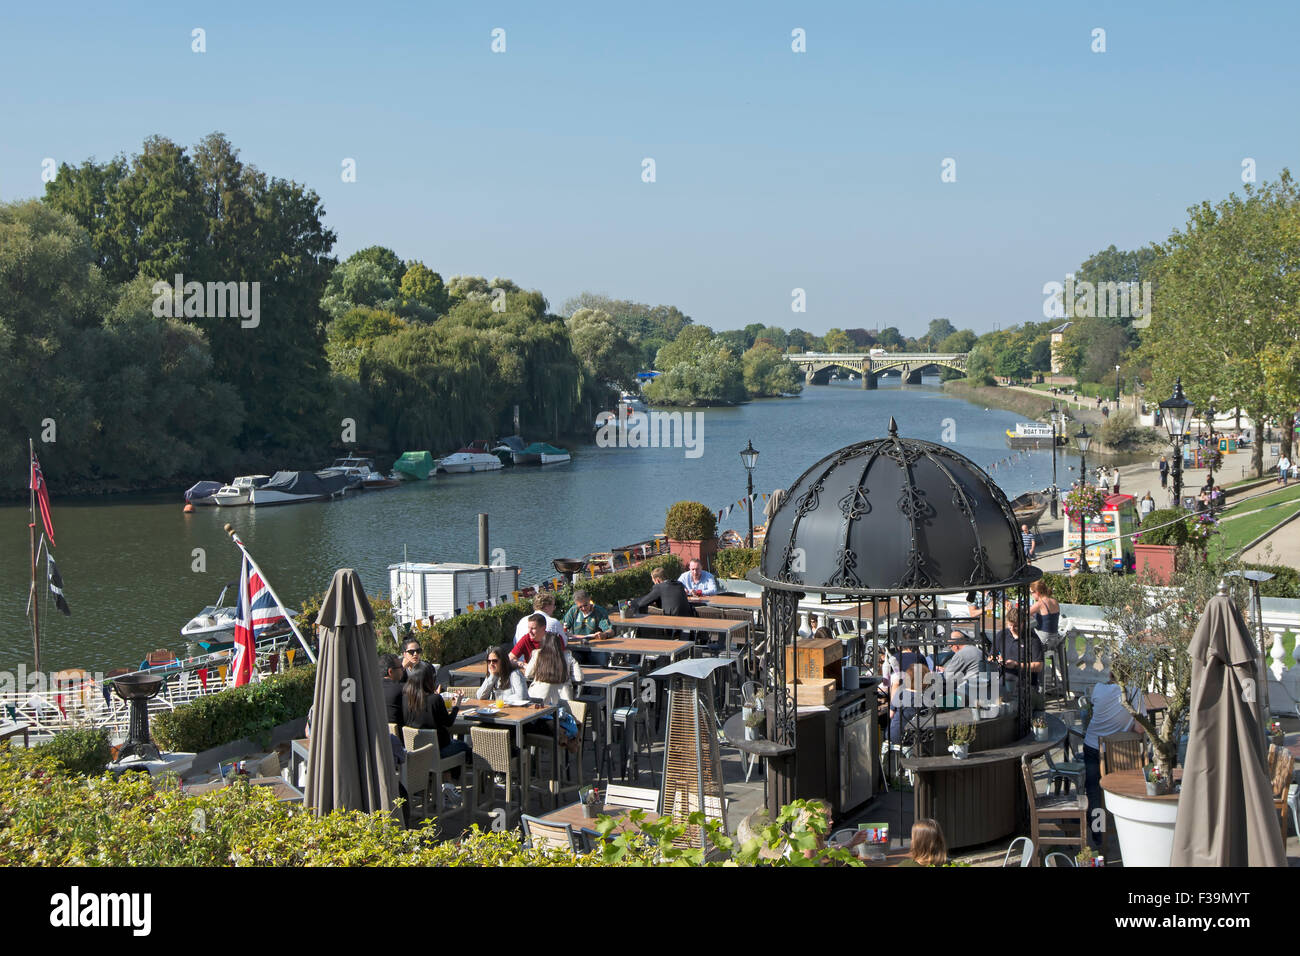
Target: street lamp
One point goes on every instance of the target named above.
(1116, 388)
(749, 458)
(1083, 440)
(1177, 409)
(1056, 428)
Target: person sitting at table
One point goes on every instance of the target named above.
(669, 595)
(504, 681)
(390, 667)
(423, 708)
(543, 604)
(532, 639)
(697, 581)
(586, 618)
(906, 700)
(1006, 648)
(964, 664)
(928, 845)
(553, 671)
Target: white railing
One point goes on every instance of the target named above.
(88, 702)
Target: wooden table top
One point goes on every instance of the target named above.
(671, 622)
(1131, 783)
(741, 601)
(1028, 746)
(861, 611)
(636, 645)
(603, 677)
(505, 715)
(572, 815)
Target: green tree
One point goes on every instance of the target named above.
(607, 355)
(939, 330)
(836, 340)
(979, 365)
(961, 341)
(423, 288)
(767, 373)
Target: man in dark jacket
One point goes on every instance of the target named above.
(669, 595)
(390, 669)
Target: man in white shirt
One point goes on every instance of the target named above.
(543, 604)
(697, 581)
(1109, 716)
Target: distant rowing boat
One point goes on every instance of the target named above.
(1030, 506)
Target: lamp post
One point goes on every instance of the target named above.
(1083, 440)
(1056, 426)
(1116, 388)
(749, 458)
(1177, 409)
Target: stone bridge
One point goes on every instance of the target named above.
(817, 366)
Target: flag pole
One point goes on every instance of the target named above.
(287, 616)
(36, 605)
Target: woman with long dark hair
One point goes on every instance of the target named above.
(552, 671)
(504, 681)
(423, 707)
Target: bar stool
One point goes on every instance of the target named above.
(632, 718)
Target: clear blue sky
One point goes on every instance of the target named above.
(775, 170)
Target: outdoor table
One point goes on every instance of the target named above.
(13, 729)
(862, 611)
(639, 646)
(572, 815)
(976, 799)
(518, 718)
(738, 602)
(283, 790)
(897, 853)
(609, 680)
(671, 622)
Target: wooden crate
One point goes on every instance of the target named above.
(815, 658)
(812, 691)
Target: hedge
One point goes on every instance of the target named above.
(81, 750)
(1174, 533)
(690, 521)
(252, 711)
(608, 589)
(735, 562)
(51, 818)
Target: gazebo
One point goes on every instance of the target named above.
(886, 528)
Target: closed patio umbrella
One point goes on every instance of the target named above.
(350, 762)
(1225, 809)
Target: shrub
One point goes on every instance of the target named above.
(1174, 531)
(1076, 589)
(690, 521)
(380, 605)
(81, 750)
(1121, 431)
(1286, 584)
(735, 562)
(608, 589)
(252, 711)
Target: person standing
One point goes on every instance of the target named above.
(1114, 479)
(1027, 537)
(1283, 466)
(1146, 505)
(1164, 472)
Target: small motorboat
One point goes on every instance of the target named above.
(474, 457)
(295, 487)
(361, 472)
(549, 454)
(509, 449)
(239, 491)
(414, 466)
(201, 494)
(215, 622)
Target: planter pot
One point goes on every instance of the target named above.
(688, 551)
(1040, 734)
(592, 810)
(1145, 828)
(959, 751)
(1156, 561)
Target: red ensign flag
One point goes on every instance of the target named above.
(42, 497)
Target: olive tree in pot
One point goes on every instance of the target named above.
(692, 532)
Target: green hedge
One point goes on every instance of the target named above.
(690, 521)
(1286, 584)
(250, 711)
(1079, 589)
(735, 562)
(379, 604)
(1175, 533)
(81, 750)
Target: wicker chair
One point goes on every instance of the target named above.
(418, 775)
(550, 836)
(1122, 752)
(1047, 813)
(418, 738)
(1281, 768)
(492, 755)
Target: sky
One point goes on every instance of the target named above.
(774, 170)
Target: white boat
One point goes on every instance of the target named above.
(214, 622)
(467, 460)
(361, 473)
(625, 417)
(294, 487)
(239, 491)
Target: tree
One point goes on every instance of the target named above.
(1229, 304)
(979, 366)
(939, 330)
(837, 341)
(961, 341)
(358, 283)
(767, 373)
(352, 334)
(423, 288)
(607, 354)
(1012, 363)
(890, 338)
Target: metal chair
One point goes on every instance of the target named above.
(541, 835)
(1058, 859)
(1068, 772)
(1124, 751)
(1047, 814)
(1026, 852)
(632, 719)
(492, 756)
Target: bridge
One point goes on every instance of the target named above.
(817, 365)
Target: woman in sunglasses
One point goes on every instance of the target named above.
(504, 681)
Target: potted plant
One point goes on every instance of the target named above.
(1089, 857)
(592, 804)
(1039, 726)
(1157, 783)
(960, 737)
(1275, 735)
(754, 718)
(1155, 549)
(1153, 628)
(692, 532)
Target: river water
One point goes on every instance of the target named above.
(128, 563)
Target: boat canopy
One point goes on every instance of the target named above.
(417, 464)
(306, 483)
(512, 442)
(541, 448)
(202, 489)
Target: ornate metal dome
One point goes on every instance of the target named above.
(894, 515)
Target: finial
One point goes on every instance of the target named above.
(893, 427)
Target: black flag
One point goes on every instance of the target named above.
(56, 584)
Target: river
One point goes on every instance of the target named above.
(129, 563)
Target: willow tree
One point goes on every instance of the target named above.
(1227, 316)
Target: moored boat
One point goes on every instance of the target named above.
(414, 466)
(549, 454)
(1030, 506)
(1031, 435)
(473, 457)
(508, 449)
(361, 472)
(238, 492)
(200, 494)
(295, 487)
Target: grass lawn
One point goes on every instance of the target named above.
(1280, 496)
(1235, 534)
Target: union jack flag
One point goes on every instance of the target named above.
(255, 611)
